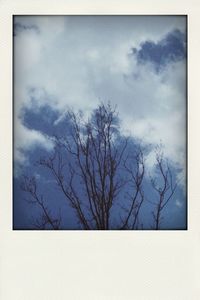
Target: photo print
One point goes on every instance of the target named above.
(100, 122)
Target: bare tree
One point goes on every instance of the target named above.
(96, 169)
(89, 157)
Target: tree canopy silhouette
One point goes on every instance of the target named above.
(102, 175)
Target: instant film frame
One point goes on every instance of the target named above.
(99, 265)
(73, 61)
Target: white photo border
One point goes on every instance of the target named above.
(141, 265)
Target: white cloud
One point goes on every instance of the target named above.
(25, 139)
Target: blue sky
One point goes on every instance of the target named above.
(137, 63)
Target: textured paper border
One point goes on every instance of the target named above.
(132, 265)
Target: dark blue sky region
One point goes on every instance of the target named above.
(25, 213)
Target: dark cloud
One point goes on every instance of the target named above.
(18, 28)
(170, 49)
(44, 120)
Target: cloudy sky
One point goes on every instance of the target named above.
(136, 62)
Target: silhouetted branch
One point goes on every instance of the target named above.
(164, 189)
(29, 186)
(136, 170)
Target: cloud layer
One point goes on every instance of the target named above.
(77, 61)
